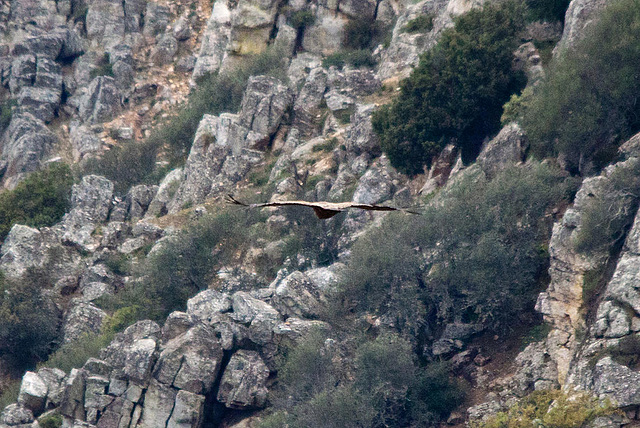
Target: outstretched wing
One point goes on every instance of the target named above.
(322, 209)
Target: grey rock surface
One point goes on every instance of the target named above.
(243, 381)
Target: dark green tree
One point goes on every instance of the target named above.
(457, 91)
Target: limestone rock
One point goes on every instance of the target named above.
(243, 381)
(190, 361)
(73, 399)
(580, 14)
(376, 185)
(159, 401)
(25, 143)
(295, 295)
(117, 354)
(33, 392)
(16, 414)
(102, 101)
(166, 191)
(105, 22)
(138, 199)
(507, 148)
(156, 18)
(82, 319)
(53, 378)
(618, 383)
(208, 303)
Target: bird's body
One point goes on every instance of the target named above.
(322, 209)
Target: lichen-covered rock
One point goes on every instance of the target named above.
(616, 382)
(165, 50)
(156, 18)
(159, 401)
(118, 351)
(82, 319)
(138, 199)
(306, 108)
(90, 204)
(208, 303)
(166, 191)
(243, 381)
(190, 361)
(53, 378)
(360, 135)
(16, 414)
(73, 398)
(296, 295)
(105, 21)
(580, 14)
(507, 148)
(33, 392)
(376, 185)
(215, 41)
(101, 102)
(259, 316)
(25, 143)
(188, 410)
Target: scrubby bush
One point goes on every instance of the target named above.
(301, 19)
(475, 254)
(6, 111)
(547, 10)
(215, 93)
(355, 58)
(419, 24)
(588, 102)
(550, 409)
(125, 165)
(384, 387)
(362, 34)
(103, 67)
(456, 92)
(28, 320)
(39, 200)
(50, 421)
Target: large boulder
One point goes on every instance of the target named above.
(215, 41)
(101, 102)
(16, 414)
(616, 382)
(25, 143)
(81, 320)
(90, 203)
(258, 316)
(296, 295)
(361, 137)
(243, 382)
(190, 361)
(507, 148)
(105, 22)
(33, 392)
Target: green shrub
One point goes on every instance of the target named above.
(51, 421)
(434, 393)
(28, 320)
(6, 111)
(554, 408)
(215, 93)
(419, 24)
(588, 103)
(546, 10)
(456, 92)
(9, 393)
(103, 67)
(39, 200)
(75, 354)
(483, 241)
(515, 108)
(301, 19)
(355, 58)
(362, 34)
(126, 165)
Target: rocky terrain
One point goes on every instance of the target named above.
(83, 78)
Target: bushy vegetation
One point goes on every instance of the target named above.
(39, 200)
(126, 165)
(301, 18)
(28, 320)
(134, 163)
(554, 408)
(457, 91)
(609, 213)
(588, 103)
(215, 93)
(355, 58)
(6, 112)
(384, 387)
(103, 67)
(476, 254)
(419, 24)
(547, 10)
(360, 37)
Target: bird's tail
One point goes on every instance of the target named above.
(231, 200)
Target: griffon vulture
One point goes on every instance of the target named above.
(322, 209)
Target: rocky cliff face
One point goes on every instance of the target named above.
(84, 77)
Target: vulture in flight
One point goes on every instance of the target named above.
(322, 209)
